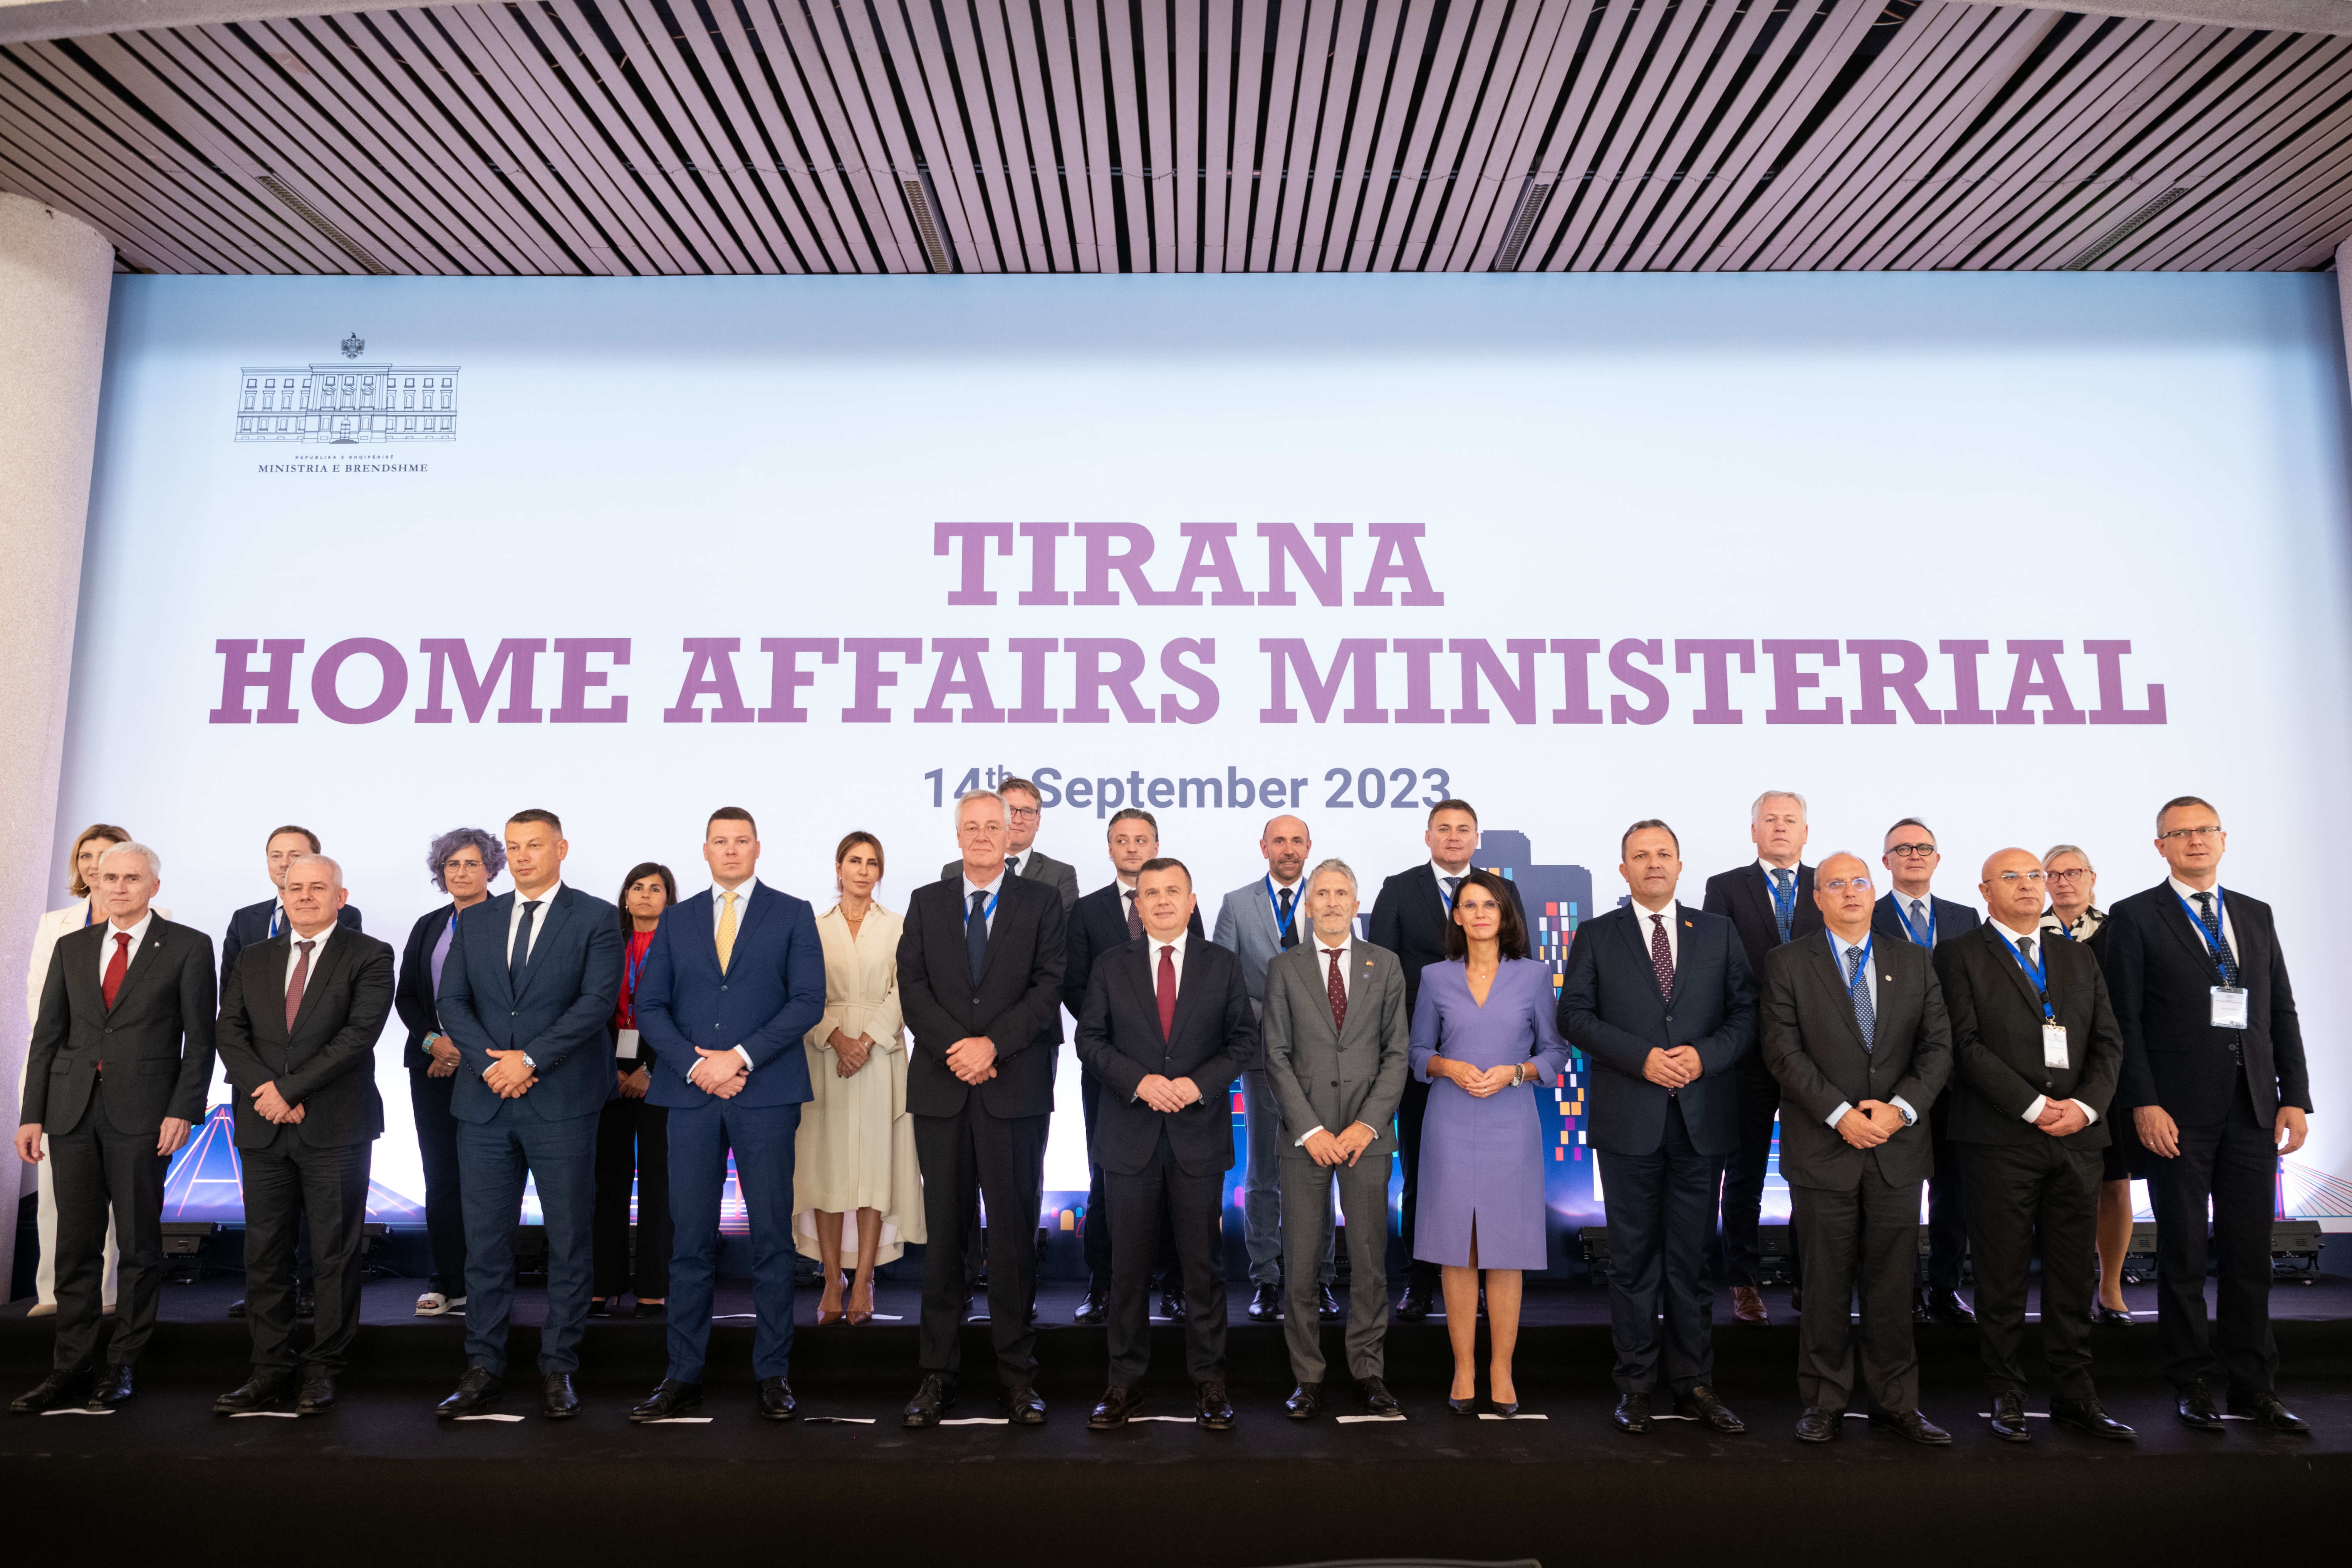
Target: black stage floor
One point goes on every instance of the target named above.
(379, 1480)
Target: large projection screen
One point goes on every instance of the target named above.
(2020, 555)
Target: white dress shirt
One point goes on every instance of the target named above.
(537, 919)
(742, 891)
(1441, 873)
(1175, 951)
(994, 887)
(1918, 915)
(1672, 923)
(138, 935)
(1838, 945)
(294, 939)
(1323, 956)
(2040, 936)
(2188, 896)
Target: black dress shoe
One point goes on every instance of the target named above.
(1631, 1416)
(600, 1306)
(1113, 1408)
(1414, 1304)
(1374, 1395)
(1820, 1425)
(1095, 1309)
(1022, 1407)
(1946, 1306)
(55, 1392)
(649, 1310)
(1266, 1303)
(477, 1391)
(1919, 1312)
(1327, 1305)
(236, 1309)
(776, 1401)
(2110, 1315)
(2197, 1410)
(2085, 1415)
(2265, 1410)
(934, 1397)
(318, 1396)
(262, 1391)
(1911, 1424)
(2008, 1420)
(1214, 1411)
(562, 1402)
(112, 1389)
(1304, 1402)
(1173, 1307)
(1701, 1406)
(1463, 1406)
(670, 1397)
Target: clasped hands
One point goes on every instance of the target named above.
(849, 1057)
(273, 1107)
(1482, 1083)
(1870, 1123)
(443, 1052)
(719, 1073)
(509, 1075)
(2061, 1118)
(1678, 1068)
(973, 1058)
(1327, 1150)
(1169, 1094)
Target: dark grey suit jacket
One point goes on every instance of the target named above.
(1328, 1078)
(1997, 1037)
(1815, 1048)
(327, 1063)
(156, 1040)
(1211, 1041)
(1037, 867)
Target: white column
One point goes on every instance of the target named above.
(56, 273)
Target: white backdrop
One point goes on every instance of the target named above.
(1995, 460)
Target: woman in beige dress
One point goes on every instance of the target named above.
(856, 1150)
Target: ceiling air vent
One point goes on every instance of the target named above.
(326, 226)
(2141, 217)
(926, 208)
(1522, 222)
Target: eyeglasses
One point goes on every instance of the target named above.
(2014, 876)
(2212, 832)
(2076, 875)
(1910, 851)
(1020, 812)
(1842, 883)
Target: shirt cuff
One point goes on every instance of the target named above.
(747, 1063)
(1839, 1114)
(1300, 1142)
(2088, 1114)
(1910, 1117)
(2033, 1112)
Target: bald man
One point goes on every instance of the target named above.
(2036, 1054)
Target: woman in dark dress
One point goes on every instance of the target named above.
(633, 1133)
(2073, 914)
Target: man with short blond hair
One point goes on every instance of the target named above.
(1024, 814)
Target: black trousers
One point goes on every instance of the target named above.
(444, 1205)
(98, 1168)
(1096, 1236)
(283, 1183)
(966, 1158)
(2232, 1165)
(1948, 1214)
(1661, 1213)
(1858, 1241)
(2020, 1194)
(1739, 1253)
(1410, 1108)
(1193, 1209)
(632, 1147)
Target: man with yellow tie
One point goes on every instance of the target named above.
(735, 978)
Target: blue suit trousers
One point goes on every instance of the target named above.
(494, 1158)
(763, 1138)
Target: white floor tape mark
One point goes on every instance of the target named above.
(838, 1420)
(76, 1410)
(1522, 1415)
(249, 1415)
(1351, 1420)
(491, 1418)
(977, 1421)
(678, 1421)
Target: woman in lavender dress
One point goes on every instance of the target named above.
(1482, 1038)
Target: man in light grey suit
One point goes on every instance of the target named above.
(1260, 922)
(1337, 1043)
(1025, 814)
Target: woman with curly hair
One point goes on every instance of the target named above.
(462, 863)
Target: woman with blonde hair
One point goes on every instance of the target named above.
(856, 1151)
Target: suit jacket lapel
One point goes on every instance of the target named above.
(2005, 955)
(551, 920)
(1436, 896)
(326, 965)
(755, 910)
(143, 961)
(1187, 985)
(2178, 918)
(1363, 970)
(1759, 893)
(1830, 970)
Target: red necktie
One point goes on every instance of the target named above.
(294, 986)
(116, 966)
(1338, 988)
(1134, 920)
(1166, 989)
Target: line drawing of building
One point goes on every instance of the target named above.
(347, 405)
(1558, 899)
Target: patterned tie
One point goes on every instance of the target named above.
(726, 931)
(1857, 985)
(1134, 920)
(1166, 989)
(1661, 955)
(116, 966)
(1784, 900)
(519, 955)
(1452, 886)
(294, 986)
(975, 936)
(2212, 924)
(1289, 926)
(1336, 987)
(1920, 920)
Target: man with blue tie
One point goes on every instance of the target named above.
(1911, 914)
(532, 980)
(733, 983)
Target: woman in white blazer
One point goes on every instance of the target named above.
(80, 867)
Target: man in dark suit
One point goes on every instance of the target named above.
(2036, 1053)
(1337, 1049)
(1166, 1029)
(2215, 1080)
(1659, 997)
(1855, 1033)
(531, 982)
(1910, 912)
(120, 1057)
(1022, 858)
(1769, 901)
(733, 983)
(299, 1022)
(1103, 920)
(1410, 918)
(979, 983)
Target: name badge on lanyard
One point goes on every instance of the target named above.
(2053, 1033)
(2054, 1044)
(2229, 1007)
(625, 1047)
(2229, 1001)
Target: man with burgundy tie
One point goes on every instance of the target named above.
(119, 1062)
(298, 1021)
(1338, 1047)
(1166, 1030)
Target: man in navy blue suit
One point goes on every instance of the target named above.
(732, 984)
(1909, 912)
(532, 980)
(1658, 996)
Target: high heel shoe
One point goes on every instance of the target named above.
(823, 1317)
(1502, 1409)
(1463, 1406)
(855, 1317)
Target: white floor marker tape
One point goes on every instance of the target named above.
(280, 1415)
(1182, 1420)
(491, 1418)
(76, 1410)
(1522, 1415)
(678, 1421)
(1351, 1420)
(838, 1420)
(977, 1421)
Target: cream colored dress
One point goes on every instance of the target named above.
(856, 1144)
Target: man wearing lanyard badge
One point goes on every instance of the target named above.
(2214, 1079)
(1909, 912)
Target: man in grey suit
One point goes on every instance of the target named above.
(1025, 815)
(1261, 921)
(1338, 1045)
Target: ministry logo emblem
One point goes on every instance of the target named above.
(353, 404)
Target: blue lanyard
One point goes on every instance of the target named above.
(1445, 898)
(89, 914)
(629, 968)
(1913, 931)
(2221, 913)
(275, 912)
(2037, 971)
(1838, 949)
(987, 911)
(1281, 923)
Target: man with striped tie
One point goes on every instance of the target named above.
(1854, 1031)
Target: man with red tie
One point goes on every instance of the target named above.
(121, 1059)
